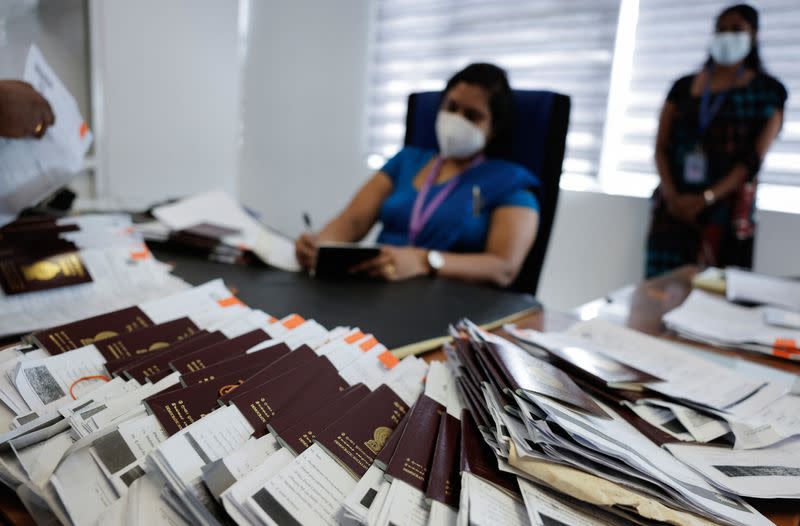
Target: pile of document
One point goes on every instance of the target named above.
(54, 271)
(734, 423)
(771, 327)
(31, 169)
(213, 225)
(194, 407)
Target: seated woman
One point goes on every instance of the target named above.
(455, 213)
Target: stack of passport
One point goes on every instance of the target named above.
(193, 408)
(54, 270)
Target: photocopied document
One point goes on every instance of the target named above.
(749, 287)
(31, 169)
(763, 473)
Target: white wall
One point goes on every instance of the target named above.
(303, 100)
(170, 92)
(598, 242)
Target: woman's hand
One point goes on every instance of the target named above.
(686, 207)
(305, 249)
(23, 111)
(395, 264)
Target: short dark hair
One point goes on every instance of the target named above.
(501, 102)
(753, 59)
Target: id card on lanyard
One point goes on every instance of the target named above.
(695, 165)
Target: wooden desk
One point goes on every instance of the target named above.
(649, 302)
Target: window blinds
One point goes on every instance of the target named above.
(671, 40)
(560, 45)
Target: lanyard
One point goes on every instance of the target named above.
(708, 107)
(421, 214)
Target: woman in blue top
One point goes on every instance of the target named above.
(456, 213)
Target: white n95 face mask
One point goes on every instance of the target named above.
(730, 47)
(458, 138)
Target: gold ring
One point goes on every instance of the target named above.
(389, 269)
(38, 128)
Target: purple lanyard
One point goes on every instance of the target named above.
(421, 214)
(709, 108)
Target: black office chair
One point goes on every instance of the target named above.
(540, 136)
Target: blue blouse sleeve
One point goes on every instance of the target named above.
(394, 166)
(524, 198)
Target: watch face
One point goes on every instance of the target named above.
(435, 259)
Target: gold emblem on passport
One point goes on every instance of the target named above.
(379, 438)
(102, 335)
(225, 389)
(68, 265)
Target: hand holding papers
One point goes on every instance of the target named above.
(30, 169)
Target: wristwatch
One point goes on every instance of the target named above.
(709, 197)
(435, 262)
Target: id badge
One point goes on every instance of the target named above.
(694, 168)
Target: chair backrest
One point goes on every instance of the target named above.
(539, 138)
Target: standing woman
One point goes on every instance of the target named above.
(715, 128)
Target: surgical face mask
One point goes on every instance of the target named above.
(730, 47)
(458, 138)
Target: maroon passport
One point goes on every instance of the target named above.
(261, 404)
(181, 407)
(247, 362)
(91, 330)
(444, 482)
(153, 366)
(300, 435)
(478, 458)
(383, 458)
(219, 352)
(528, 373)
(359, 435)
(412, 458)
(300, 356)
(150, 339)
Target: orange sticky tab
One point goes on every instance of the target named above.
(784, 344)
(353, 338)
(230, 302)
(388, 359)
(139, 255)
(369, 344)
(84, 129)
(272, 319)
(785, 348)
(294, 321)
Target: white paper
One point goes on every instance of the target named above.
(234, 498)
(490, 506)
(311, 489)
(31, 169)
(359, 501)
(221, 209)
(709, 318)
(763, 473)
(84, 502)
(617, 438)
(46, 381)
(749, 287)
(545, 509)
(686, 376)
(404, 506)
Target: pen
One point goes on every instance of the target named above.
(307, 221)
(476, 201)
